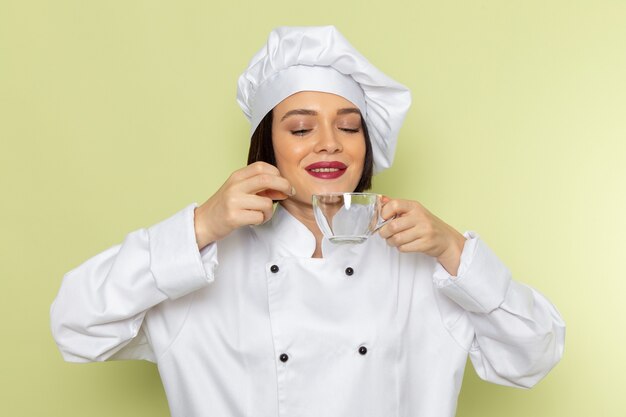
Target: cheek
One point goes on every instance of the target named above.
(358, 151)
(280, 151)
(363, 153)
(288, 154)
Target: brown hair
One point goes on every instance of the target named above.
(262, 149)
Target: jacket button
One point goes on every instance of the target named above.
(284, 357)
(362, 350)
(274, 268)
(349, 271)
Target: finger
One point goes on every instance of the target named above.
(256, 168)
(236, 205)
(402, 238)
(418, 242)
(264, 182)
(255, 202)
(264, 205)
(396, 225)
(251, 217)
(414, 246)
(396, 207)
(273, 194)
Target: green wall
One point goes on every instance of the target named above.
(116, 114)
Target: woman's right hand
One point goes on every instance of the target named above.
(244, 199)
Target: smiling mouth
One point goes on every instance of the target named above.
(327, 170)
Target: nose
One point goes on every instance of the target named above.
(327, 141)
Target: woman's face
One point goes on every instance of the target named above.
(318, 143)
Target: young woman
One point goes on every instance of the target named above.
(248, 311)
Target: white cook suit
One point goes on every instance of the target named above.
(253, 326)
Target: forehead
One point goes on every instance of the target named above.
(313, 100)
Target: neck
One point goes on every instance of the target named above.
(304, 214)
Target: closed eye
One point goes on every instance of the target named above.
(300, 132)
(345, 129)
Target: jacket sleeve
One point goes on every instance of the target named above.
(518, 334)
(101, 305)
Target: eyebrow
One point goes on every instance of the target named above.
(306, 112)
(349, 110)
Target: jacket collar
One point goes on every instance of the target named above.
(285, 236)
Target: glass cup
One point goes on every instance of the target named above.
(348, 217)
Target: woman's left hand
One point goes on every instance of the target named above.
(415, 229)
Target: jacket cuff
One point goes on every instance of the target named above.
(176, 263)
(482, 279)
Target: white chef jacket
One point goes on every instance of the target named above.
(253, 326)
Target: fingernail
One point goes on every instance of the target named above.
(293, 191)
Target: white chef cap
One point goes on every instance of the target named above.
(319, 58)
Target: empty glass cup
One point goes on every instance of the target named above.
(348, 217)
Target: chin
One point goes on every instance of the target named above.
(331, 188)
(306, 187)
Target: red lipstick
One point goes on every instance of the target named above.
(327, 170)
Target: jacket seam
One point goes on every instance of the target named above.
(168, 348)
(447, 329)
